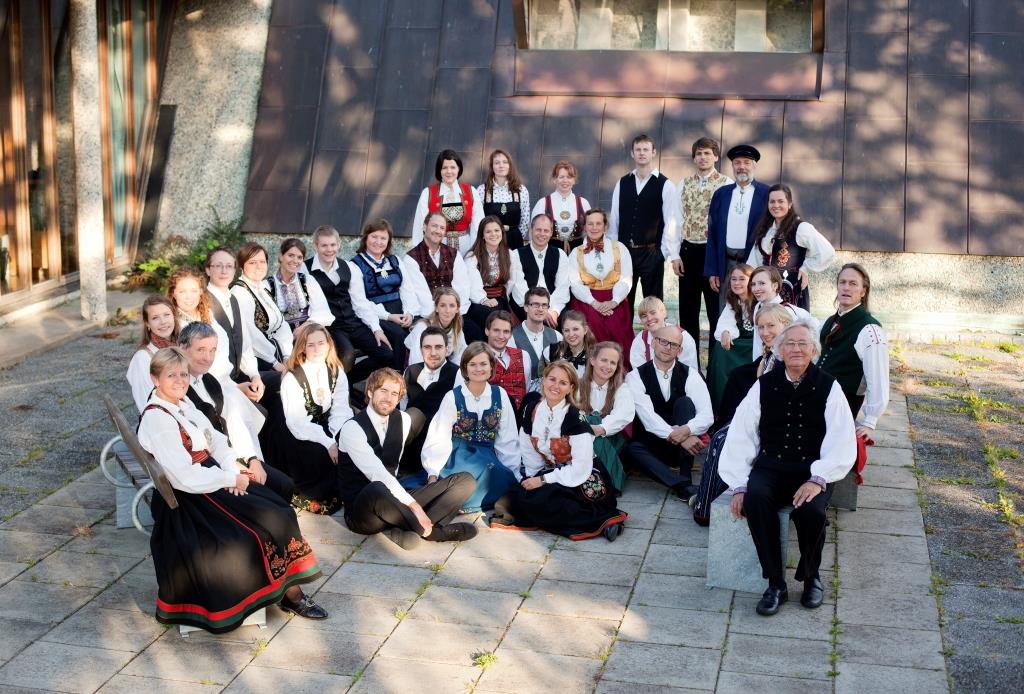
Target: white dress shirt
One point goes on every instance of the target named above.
(352, 440)
(795, 311)
(819, 251)
(138, 376)
(559, 205)
(437, 447)
(695, 389)
(559, 293)
(279, 330)
(743, 442)
(501, 193)
(736, 222)
(622, 412)
(641, 346)
(319, 310)
(222, 365)
(243, 418)
(159, 434)
(365, 310)
(410, 291)
(669, 209)
(606, 259)
(448, 194)
(300, 424)
(547, 425)
(456, 344)
(460, 282)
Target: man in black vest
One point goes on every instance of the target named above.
(228, 410)
(644, 217)
(673, 410)
(370, 447)
(356, 325)
(426, 383)
(791, 437)
(539, 264)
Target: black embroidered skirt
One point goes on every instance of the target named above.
(309, 466)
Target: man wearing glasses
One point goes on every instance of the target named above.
(791, 438)
(673, 409)
(532, 335)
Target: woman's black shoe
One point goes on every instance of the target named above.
(770, 601)
(612, 532)
(306, 607)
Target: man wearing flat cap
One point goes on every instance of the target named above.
(734, 213)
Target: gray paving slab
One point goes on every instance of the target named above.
(894, 422)
(641, 491)
(576, 599)
(378, 550)
(756, 655)
(260, 680)
(641, 515)
(609, 687)
(99, 627)
(887, 609)
(326, 652)
(205, 661)
(77, 569)
(855, 678)
(10, 569)
(677, 666)
(378, 580)
(394, 675)
(632, 541)
(873, 548)
(673, 559)
(19, 633)
(675, 507)
(672, 627)
(26, 546)
(507, 544)
(792, 620)
(887, 498)
(911, 648)
(883, 522)
(745, 683)
(327, 529)
(41, 602)
(591, 567)
(83, 495)
(62, 667)
(435, 642)
(894, 577)
(543, 633)
(109, 540)
(666, 590)
(128, 595)
(885, 476)
(681, 531)
(527, 671)
(130, 684)
(503, 575)
(466, 606)
(888, 456)
(55, 520)
(891, 439)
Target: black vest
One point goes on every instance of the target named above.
(214, 411)
(234, 335)
(640, 216)
(337, 295)
(351, 479)
(531, 271)
(792, 423)
(428, 400)
(677, 389)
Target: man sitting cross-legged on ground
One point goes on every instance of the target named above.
(673, 409)
(792, 436)
(370, 446)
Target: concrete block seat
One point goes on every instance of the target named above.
(732, 558)
(844, 492)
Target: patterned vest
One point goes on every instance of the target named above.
(695, 204)
(512, 379)
(380, 280)
(482, 430)
(458, 216)
(610, 279)
(436, 276)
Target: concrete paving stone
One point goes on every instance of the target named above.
(62, 667)
(885, 476)
(893, 577)
(609, 687)
(259, 680)
(327, 529)
(590, 567)
(856, 678)
(675, 666)
(744, 683)
(356, 614)
(912, 648)
(672, 627)
(331, 556)
(10, 569)
(130, 684)
(393, 675)
(378, 580)
(25, 546)
(792, 620)
(888, 456)
(688, 592)
(436, 642)
(76, 569)
(378, 550)
(641, 515)
(676, 508)
(41, 602)
(465, 571)
(641, 491)
(887, 609)
(543, 633)
(82, 495)
(887, 498)
(310, 650)
(673, 559)
(117, 630)
(128, 595)
(577, 599)
(872, 548)
(109, 540)
(55, 520)
(883, 522)
(756, 655)
(632, 541)
(19, 633)
(508, 544)
(680, 531)
(208, 661)
(526, 671)
(466, 606)
(895, 422)
(885, 438)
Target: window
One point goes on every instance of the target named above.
(755, 26)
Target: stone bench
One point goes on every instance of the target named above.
(732, 558)
(844, 492)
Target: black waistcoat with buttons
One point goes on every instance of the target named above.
(792, 420)
(532, 271)
(338, 298)
(351, 479)
(650, 376)
(640, 216)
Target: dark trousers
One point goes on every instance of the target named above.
(692, 286)
(347, 339)
(471, 330)
(768, 491)
(478, 312)
(656, 457)
(376, 509)
(649, 268)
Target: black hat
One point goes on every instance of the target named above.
(748, 151)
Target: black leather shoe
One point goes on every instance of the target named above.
(612, 532)
(306, 607)
(813, 594)
(455, 532)
(770, 601)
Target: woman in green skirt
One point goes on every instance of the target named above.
(734, 336)
(608, 406)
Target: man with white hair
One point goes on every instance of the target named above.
(792, 436)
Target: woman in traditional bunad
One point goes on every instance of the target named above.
(563, 488)
(457, 202)
(608, 407)
(474, 431)
(734, 334)
(489, 265)
(314, 398)
(395, 295)
(576, 343)
(269, 332)
(504, 196)
(221, 514)
(159, 330)
(784, 241)
(299, 297)
(765, 285)
(564, 207)
(445, 316)
(600, 277)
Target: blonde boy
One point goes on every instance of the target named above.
(652, 313)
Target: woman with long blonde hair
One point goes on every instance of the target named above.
(446, 316)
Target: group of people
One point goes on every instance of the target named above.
(495, 368)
